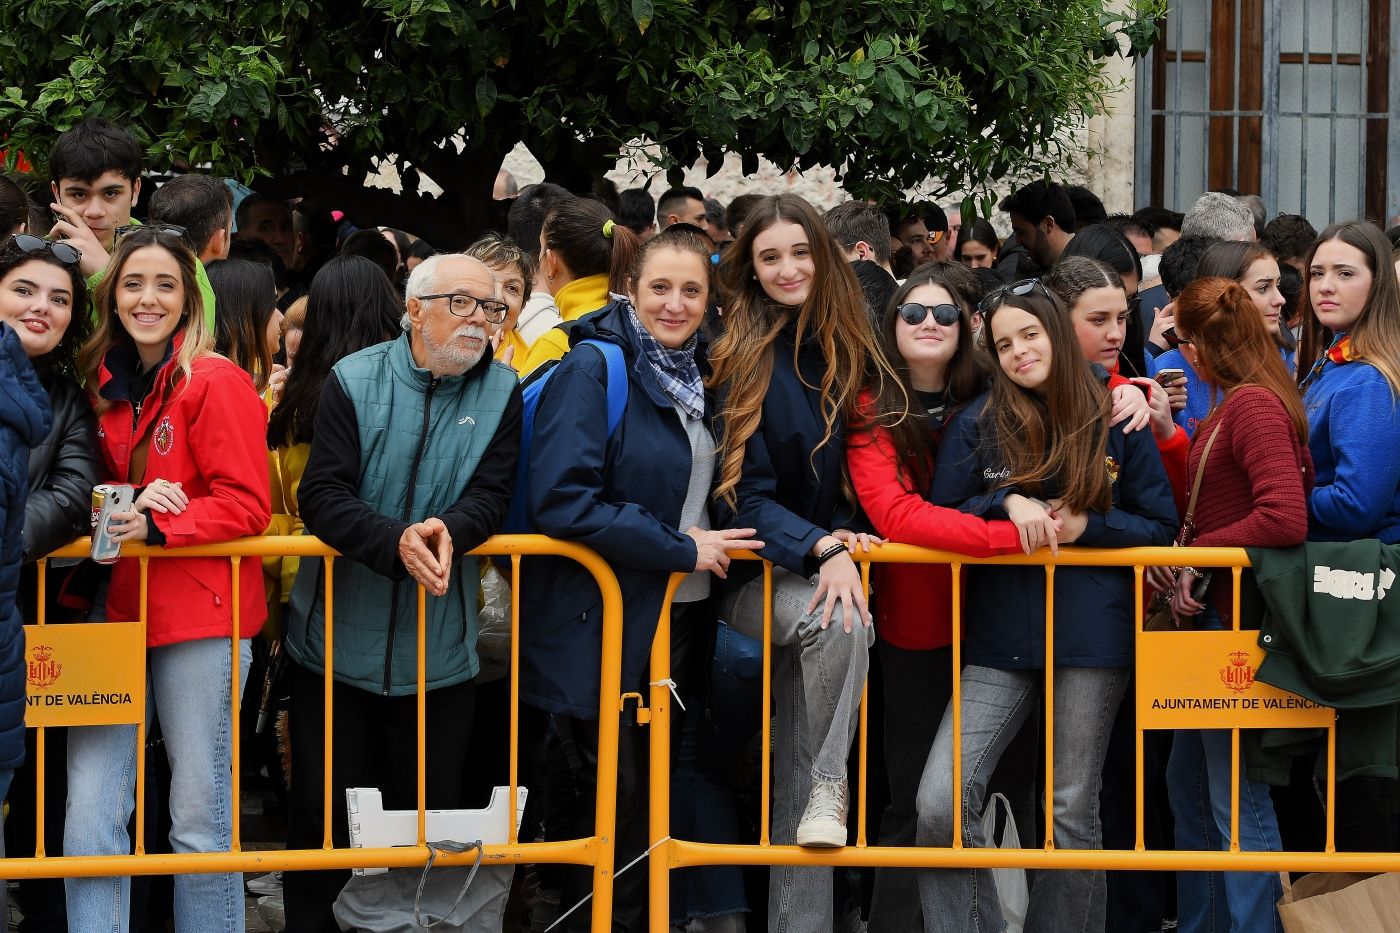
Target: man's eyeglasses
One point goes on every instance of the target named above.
(28, 243)
(174, 230)
(914, 314)
(464, 305)
(1015, 290)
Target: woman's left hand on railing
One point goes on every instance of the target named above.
(162, 496)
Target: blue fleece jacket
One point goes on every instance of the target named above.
(1354, 436)
(1198, 398)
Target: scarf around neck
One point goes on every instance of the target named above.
(676, 369)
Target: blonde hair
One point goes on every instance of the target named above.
(199, 339)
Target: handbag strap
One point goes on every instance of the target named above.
(1200, 474)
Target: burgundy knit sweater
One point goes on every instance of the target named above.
(1256, 483)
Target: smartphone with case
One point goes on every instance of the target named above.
(1166, 377)
(116, 497)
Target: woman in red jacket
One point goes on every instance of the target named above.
(928, 336)
(1254, 489)
(186, 428)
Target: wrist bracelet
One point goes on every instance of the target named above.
(1194, 572)
(829, 553)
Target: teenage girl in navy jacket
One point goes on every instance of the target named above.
(797, 350)
(1349, 360)
(1038, 449)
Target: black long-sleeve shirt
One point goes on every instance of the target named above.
(333, 511)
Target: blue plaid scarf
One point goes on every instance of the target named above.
(676, 370)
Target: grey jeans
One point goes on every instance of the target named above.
(818, 676)
(994, 705)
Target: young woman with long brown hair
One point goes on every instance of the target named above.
(1349, 361)
(927, 334)
(796, 352)
(1038, 448)
(1253, 493)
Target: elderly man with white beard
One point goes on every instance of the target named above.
(411, 466)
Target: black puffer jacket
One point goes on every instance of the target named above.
(62, 471)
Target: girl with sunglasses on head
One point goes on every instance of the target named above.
(796, 352)
(927, 333)
(184, 426)
(43, 298)
(1038, 448)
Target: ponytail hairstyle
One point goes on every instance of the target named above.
(1376, 336)
(914, 442)
(1060, 435)
(198, 340)
(245, 294)
(1072, 276)
(834, 317)
(1110, 247)
(683, 238)
(589, 240)
(1233, 347)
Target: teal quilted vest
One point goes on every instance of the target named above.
(376, 617)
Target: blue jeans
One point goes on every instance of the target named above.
(818, 676)
(994, 705)
(1198, 782)
(188, 688)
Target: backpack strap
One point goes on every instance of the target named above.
(616, 365)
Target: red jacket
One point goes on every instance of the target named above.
(915, 603)
(208, 434)
(1173, 450)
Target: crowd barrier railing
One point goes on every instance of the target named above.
(112, 656)
(1169, 664)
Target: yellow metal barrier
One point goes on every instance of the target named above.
(669, 854)
(596, 850)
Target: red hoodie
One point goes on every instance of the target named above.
(915, 603)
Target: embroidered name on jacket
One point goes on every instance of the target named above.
(1351, 584)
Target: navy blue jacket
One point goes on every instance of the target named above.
(792, 489)
(1004, 613)
(24, 420)
(621, 496)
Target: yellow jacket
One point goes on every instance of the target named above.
(512, 339)
(579, 297)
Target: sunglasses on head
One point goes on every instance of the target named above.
(28, 243)
(1015, 289)
(174, 230)
(914, 313)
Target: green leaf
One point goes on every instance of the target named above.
(881, 48)
(485, 95)
(642, 13)
(810, 51)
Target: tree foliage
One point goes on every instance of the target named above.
(303, 97)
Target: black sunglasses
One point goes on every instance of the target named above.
(28, 243)
(914, 313)
(1015, 289)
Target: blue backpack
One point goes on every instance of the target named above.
(517, 521)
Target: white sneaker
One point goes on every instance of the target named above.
(824, 821)
(263, 885)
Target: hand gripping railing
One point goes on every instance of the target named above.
(668, 853)
(595, 851)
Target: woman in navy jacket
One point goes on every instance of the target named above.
(640, 498)
(797, 350)
(1064, 476)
